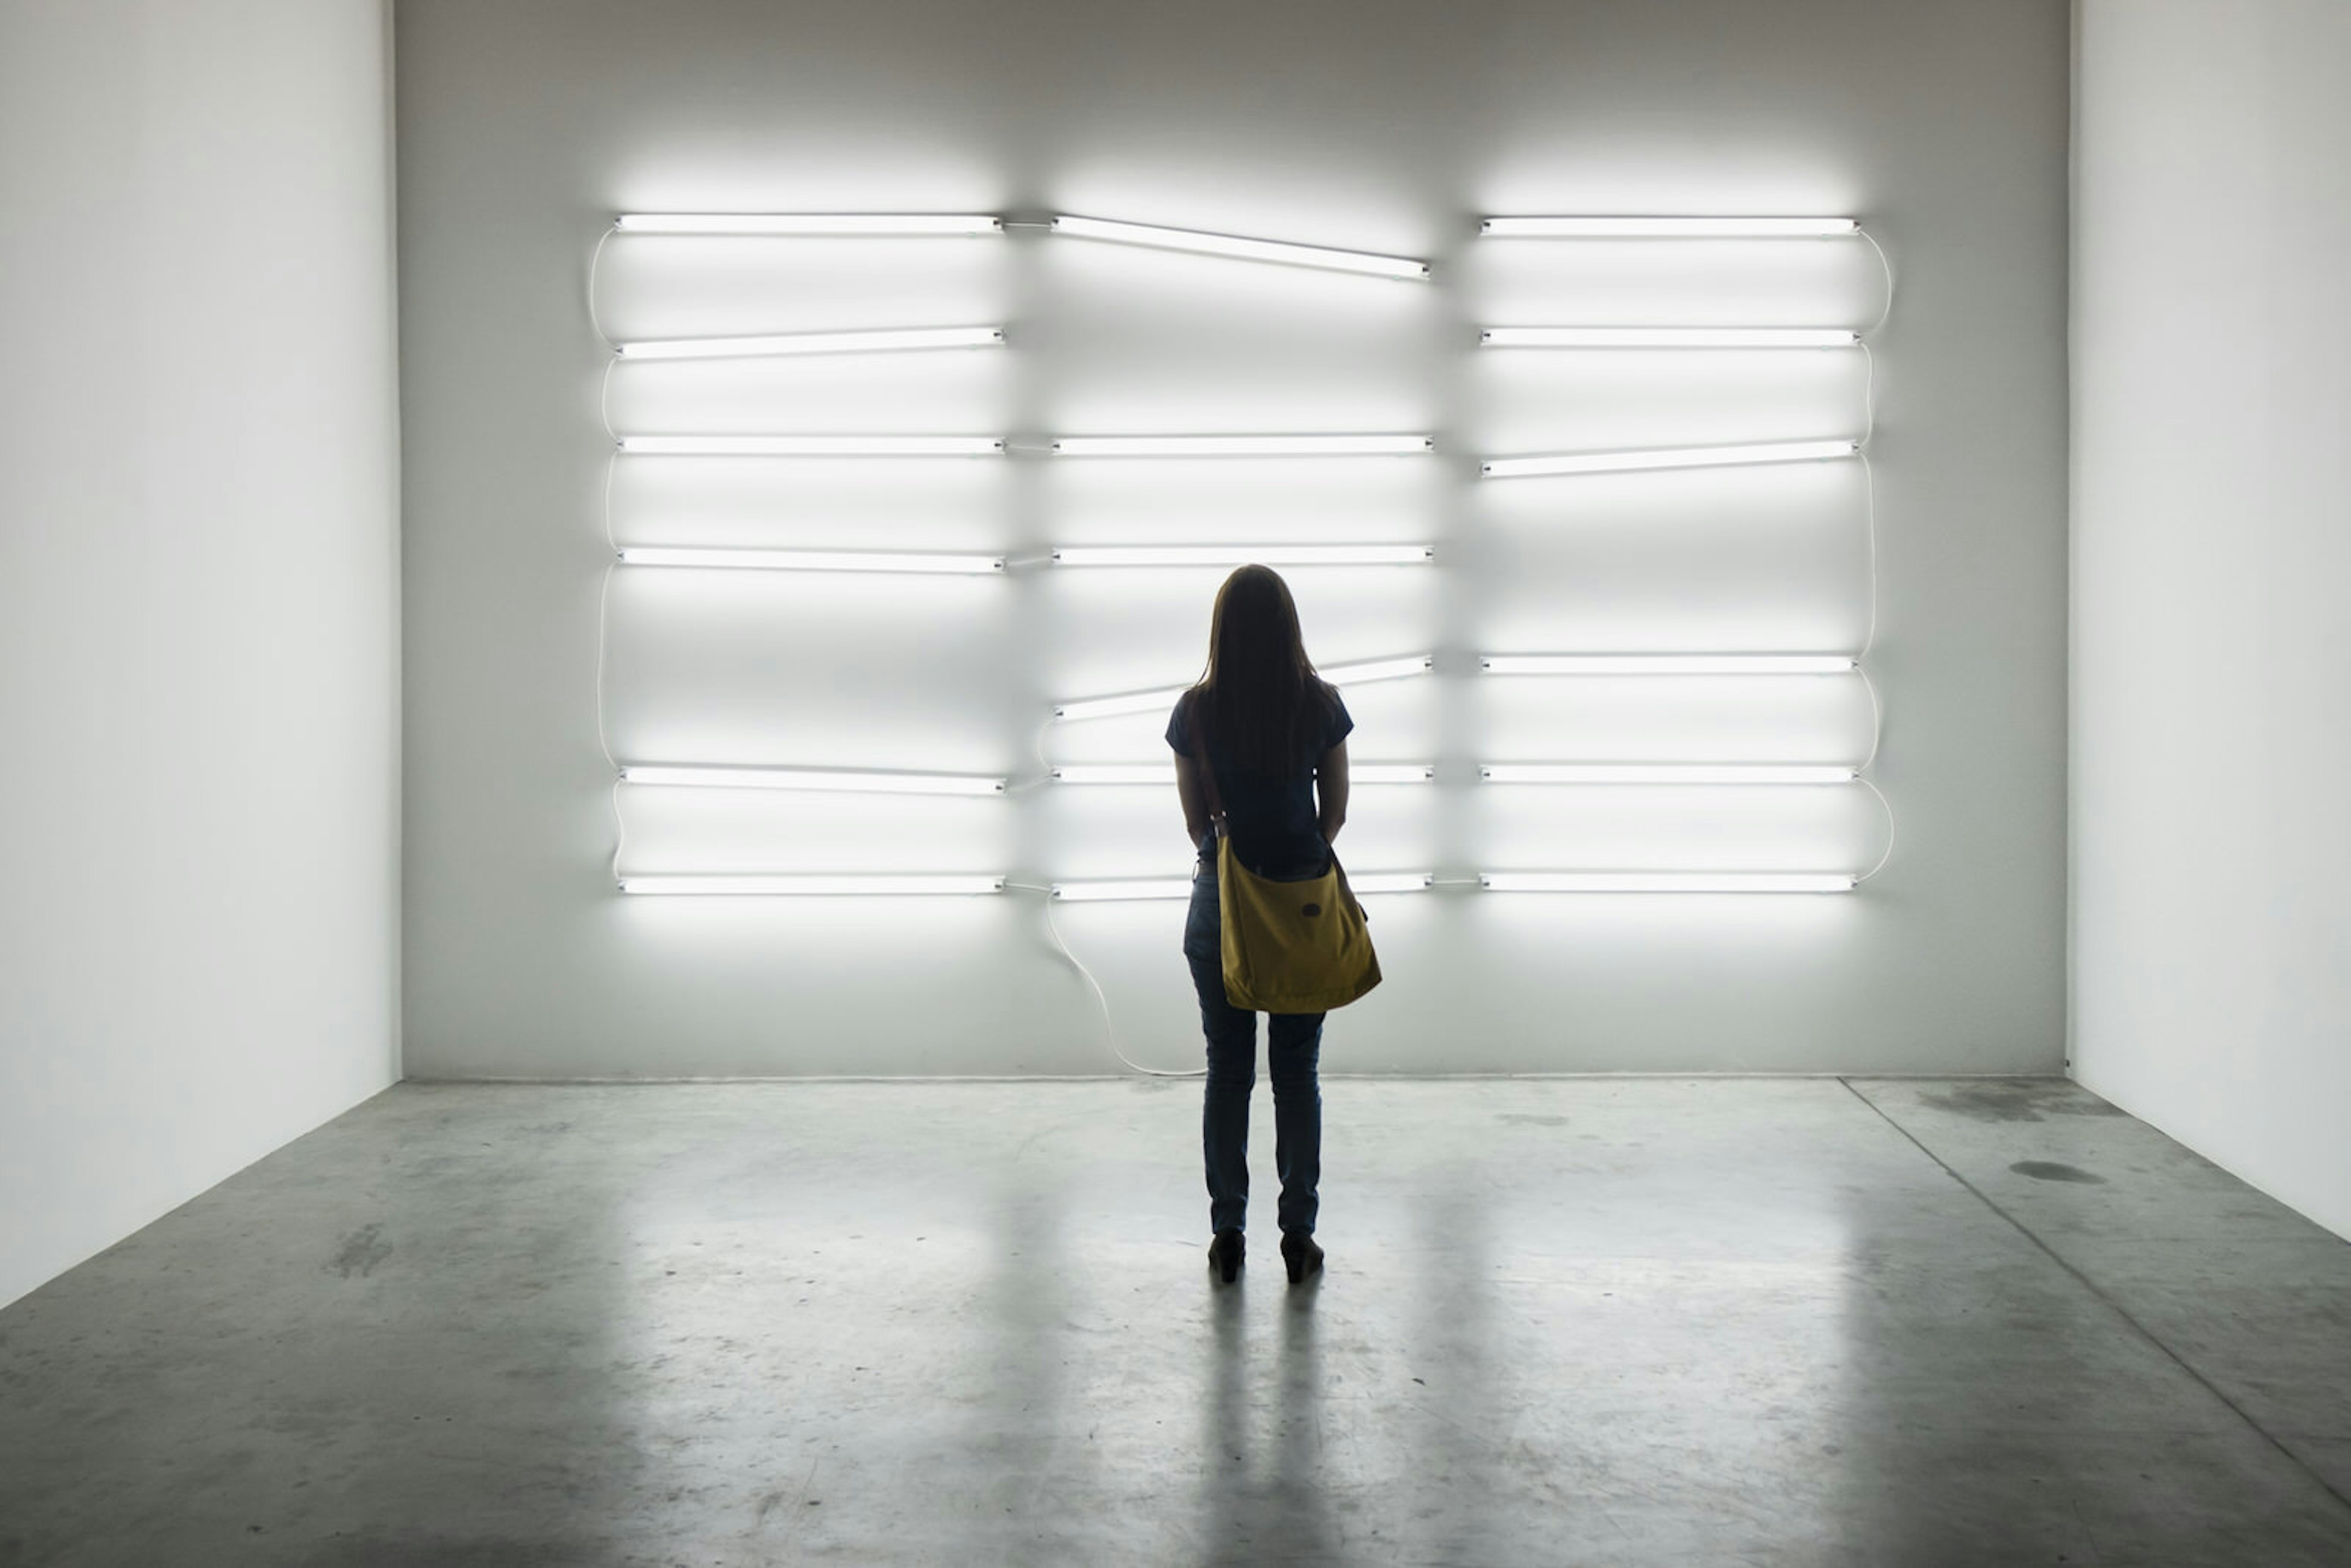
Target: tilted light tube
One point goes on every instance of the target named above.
(1666, 881)
(823, 778)
(812, 445)
(789, 343)
(811, 222)
(1665, 773)
(1667, 458)
(1164, 773)
(734, 884)
(1337, 674)
(808, 560)
(1279, 252)
(1181, 887)
(1669, 663)
(1377, 670)
(1668, 338)
(1666, 228)
(1241, 446)
(1237, 555)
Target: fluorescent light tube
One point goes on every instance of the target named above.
(1237, 555)
(1164, 773)
(726, 778)
(1337, 674)
(1669, 663)
(1276, 251)
(811, 222)
(1126, 701)
(1181, 887)
(1666, 881)
(812, 445)
(1666, 228)
(1390, 881)
(880, 342)
(1668, 457)
(1377, 670)
(808, 560)
(1161, 773)
(1106, 891)
(1241, 446)
(1664, 773)
(740, 886)
(1668, 338)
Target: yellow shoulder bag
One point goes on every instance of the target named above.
(1289, 946)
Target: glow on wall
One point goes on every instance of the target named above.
(893, 355)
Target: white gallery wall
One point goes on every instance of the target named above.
(535, 668)
(2211, 580)
(198, 601)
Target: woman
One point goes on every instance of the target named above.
(1261, 755)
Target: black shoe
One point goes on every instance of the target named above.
(1299, 1255)
(1224, 1254)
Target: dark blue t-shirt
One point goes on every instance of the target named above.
(1271, 818)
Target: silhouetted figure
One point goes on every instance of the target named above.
(1275, 734)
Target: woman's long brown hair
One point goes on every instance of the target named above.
(1259, 697)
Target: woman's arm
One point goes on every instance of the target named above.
(1330, 791)
(1195, 798)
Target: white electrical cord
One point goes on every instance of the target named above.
(595, 259)
(603, 621)
(1101, 1002)
(612, 549)
(1869, 637)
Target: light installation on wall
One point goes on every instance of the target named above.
(1572, 464)
(918, 345)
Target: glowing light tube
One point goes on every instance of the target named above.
(1669, 663)
(808, 560)
(880, 342)
(727, 777)
(1237, 555)
(1337, 674)
(1666, 881)
(1666, 228)
(1126, 701)
(1668, 457)
(811, 222)
(1164, 773)
(1668, 338)
(1377, 670)
(1181, 887)
(1664, 773)
(1242, 445)
(742, 886)
(1135, 888)
(1276, 251)
(812, 445)
(1391, 880)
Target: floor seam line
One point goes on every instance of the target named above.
(2103, 1297)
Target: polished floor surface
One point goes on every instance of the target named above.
(1655, 1322)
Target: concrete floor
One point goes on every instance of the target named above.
(1589, 1321)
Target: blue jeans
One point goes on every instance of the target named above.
(1293, 1041)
